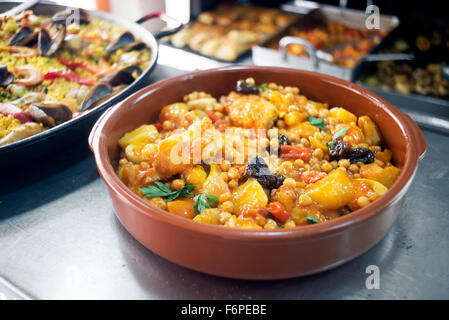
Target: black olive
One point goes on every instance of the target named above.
(246, 88)
(345, 210)
(338, 150)
(360, 155)
(258, 169)
(284, 140)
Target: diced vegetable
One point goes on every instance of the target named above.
(279, 212)
(332, 192)
(197, 175)
(249, 193)
(342, 115)
(214, 184)
(369, 128)
(208, 216)
(182, 208)
(387, 176)
(143, 134)
(296, 152)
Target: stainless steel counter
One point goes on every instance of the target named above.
(59, 239)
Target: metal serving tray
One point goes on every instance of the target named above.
(426, 107)
(317, 59)
(243, 54)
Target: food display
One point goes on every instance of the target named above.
(231, 30)
(346, 45)
(261, 157)
(52, 71)
(422, 76)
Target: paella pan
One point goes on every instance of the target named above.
(60, 68)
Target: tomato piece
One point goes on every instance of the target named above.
(296, 152)
(158, 126)
(312, 176)
(212, 116)
(277, 209)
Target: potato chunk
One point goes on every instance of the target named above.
(208, 216)
(250, 193)
(182, 208)
(332, 192)
(143, 134)
(387, 176)
(214, 184)
(250, 111)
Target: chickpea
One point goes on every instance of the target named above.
(177, 184)
(225, 165)
(363, 201)
(318, 153)
(223, 217)
(224, 197)
(250, 81)
(233, 184)
(344, 163)
(354, 168)
(271, 224)
(167, 125)
(326, 166)
(280, 124)
(290, 183)
(299, 163)
(159, 202)
(233, 173)
(224, 176)
(227, 206)
(290, 224)
(291, 118)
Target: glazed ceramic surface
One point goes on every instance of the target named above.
(248, 254)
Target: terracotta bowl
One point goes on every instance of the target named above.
(248, 254)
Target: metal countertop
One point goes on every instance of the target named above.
(60, 239)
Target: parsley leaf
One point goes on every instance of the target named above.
(340, 133)
(317, 122)
(160, 190)
(312, 219)
(204, 201)
(263, 86)
(330, 144)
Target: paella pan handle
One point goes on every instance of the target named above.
(161, 15)
(310, 49)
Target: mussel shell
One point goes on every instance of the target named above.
(6, 77)
(50, 114)
(47, 45)
(124, 40)
(138, 45)
(24, 36)
(122, 76)
(97, 94)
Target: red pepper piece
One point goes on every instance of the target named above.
(296, 152)
(9, 109)
(69, 76)
(279, 212)
(72, 64)
(312, 176)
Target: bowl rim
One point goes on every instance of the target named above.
(97, 141)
